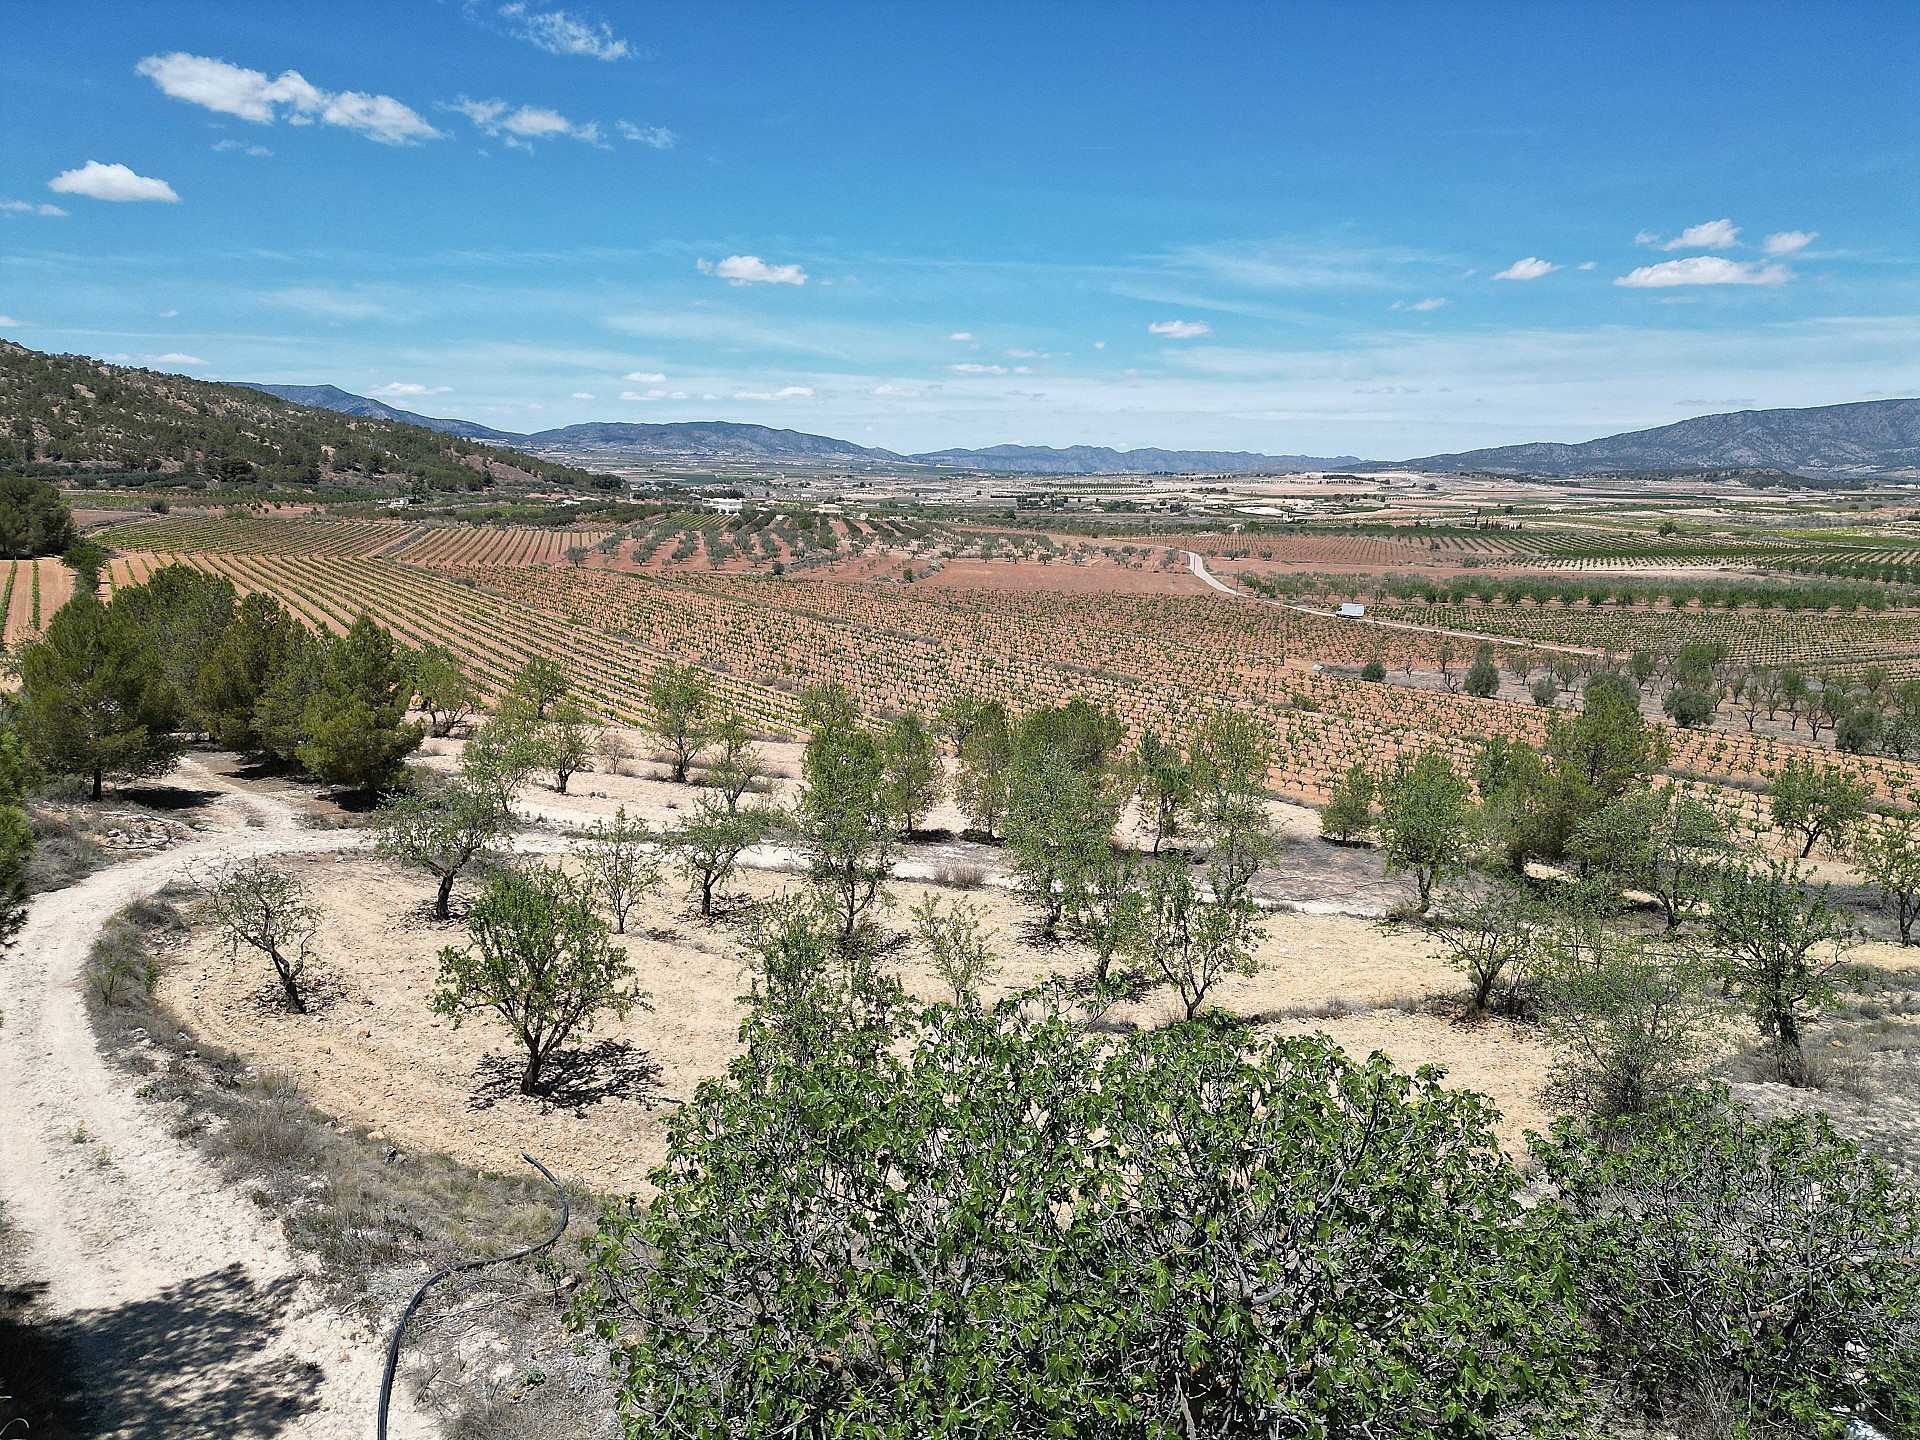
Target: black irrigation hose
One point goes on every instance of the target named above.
(393, 1345)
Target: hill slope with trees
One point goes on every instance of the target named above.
(67, 414)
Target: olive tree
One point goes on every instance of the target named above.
(541, 958)
(263, 907)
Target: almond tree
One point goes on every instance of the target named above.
(260, 906)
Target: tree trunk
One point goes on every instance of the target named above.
(1807, 849)
(97, 778)
(560, 779)
(530, 1074)
(443, 899)
(706, 896)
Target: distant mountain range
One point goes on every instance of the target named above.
(1871, 436)
(724, 440)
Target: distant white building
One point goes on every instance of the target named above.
(1352, 610)
(725, 506)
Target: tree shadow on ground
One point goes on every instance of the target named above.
(194, 1359)
(573, 1079)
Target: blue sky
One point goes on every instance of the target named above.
(1360, 228)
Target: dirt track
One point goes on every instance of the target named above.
(184, 1311)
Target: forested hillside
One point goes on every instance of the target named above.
(71, 413)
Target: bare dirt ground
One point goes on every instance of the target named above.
(177, 1302)
(373, 1053)
(1061, 576)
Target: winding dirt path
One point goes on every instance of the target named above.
(1197, 563)
(184, 1310)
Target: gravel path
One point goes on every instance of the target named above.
(185, 1312)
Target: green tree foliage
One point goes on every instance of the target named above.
(356, 730)
(1426, 821)
(540, 958)
(1483, 676)
(1657, 840)
(737, 763)
(1776, 944)
(1348, 814)
(1186, 940)
(817, 994)
(1163, 780)
(1491, 934)
(842, 823)
(1814, 802)
(184, 613)
(1886, 848)
(1690, 709)
(983, 1230)
(956, 951)
(441, 828)
(985, 750)
(258, 905)
(705, 847)
(679, 698)
(19, 773)
(1628, 1015)
(539, 685)
(94, 700)
(617, 860)
(1742, 1277)
(1230, 755)
(911, 774)
(564, 739)
(504, 752)
(256, 645)
(441, 688)
(1059, 826)
(34, 520)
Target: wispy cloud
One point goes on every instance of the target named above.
(785, 392)
(969, 367)
(1531, 268)
(644, 377)
(1432, 302)
(961, 335)
(112, 182)
(521, 125)
(248, 94)
(752, 270)
(1705, 270)
(28, 207)
(1709, 235)
(405, 387)
(1787, 242)
(559, 33)
(658, 136)
(11, 323)
(1180, 329)
(174, 357)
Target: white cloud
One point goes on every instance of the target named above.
(558, 33)
(898, 392)
(785, 392)
(111, 182)
(970, 368)
(10, 321)
(961, 335)
(1432, 302)
(174, 357)
(1711, 235)
(1099, 344)
(752, 270)
(582, 395)
(235, 90)
(1646, 237)
(405, 387)
(1531, 268)
(1586, 264)
(28, 207)
(643, 377)
(1704, 270)
(1180, 329)
(658, 136)
(1785, 242)
(649, 395)
(241, 146)
(520, 125)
